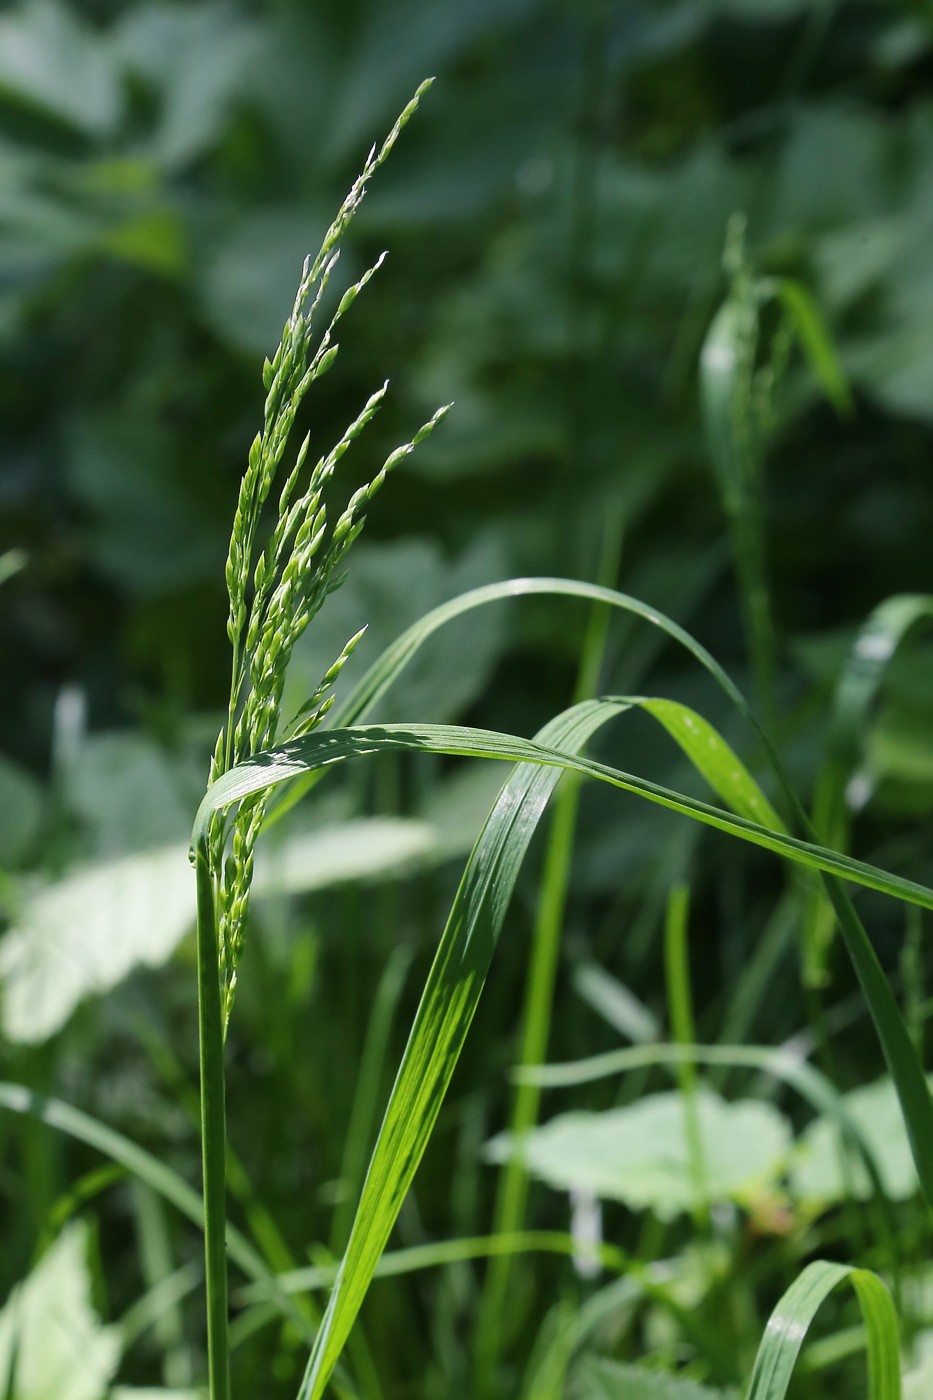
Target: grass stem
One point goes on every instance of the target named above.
(213, 1131)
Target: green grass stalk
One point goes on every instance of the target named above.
(680, 1010)
(213, 1130)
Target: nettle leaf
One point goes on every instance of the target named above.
(825, 1172)
(614, 1380)
(51, 1339)
(640, 1154)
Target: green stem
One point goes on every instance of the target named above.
(213, 1131)
(680, 1010)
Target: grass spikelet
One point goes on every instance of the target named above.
(275, 591)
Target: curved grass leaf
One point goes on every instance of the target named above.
(806, 319)
(298, 761)
(325, 748)
(902, 1061)
(456, 980)
(640, 1279)
(791, 1319)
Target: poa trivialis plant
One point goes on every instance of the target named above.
(287, 553)
(275, 591)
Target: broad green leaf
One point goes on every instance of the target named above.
(85, 933)
(599, 1379)
(11, 561)
(50, 1332)
(808, 1081)
(640, 1154)
(790, 1321)
(197, 58)
(127, 1392)
(812, 1085)
(825, 1171)
(918, 1384)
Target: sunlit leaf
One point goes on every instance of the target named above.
(640, 1154)
(50, 1331)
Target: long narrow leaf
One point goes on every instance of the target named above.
(856, 692)
(447, 1005)
(903, 1063)
(791, 1319)
(322, 749)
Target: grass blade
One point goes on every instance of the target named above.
(791, 1319)
(855, 695)
(447, 1005)
(325, 748)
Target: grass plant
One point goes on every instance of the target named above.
(287, 554)
(287, 584)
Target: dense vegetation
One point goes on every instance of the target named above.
(671, 262)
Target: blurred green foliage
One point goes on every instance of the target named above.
(557, 217)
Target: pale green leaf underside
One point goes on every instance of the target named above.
(50, 1328)
(822, 1175)
(640, 1154)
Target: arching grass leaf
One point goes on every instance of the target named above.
(325, 748)
(448, 1002)
(902, 1061)
(791, 1319)
(16, 1098)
